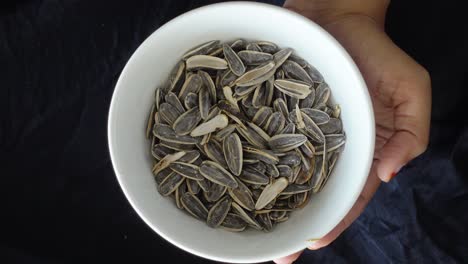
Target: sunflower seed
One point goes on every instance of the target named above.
(179, 192)
(293, 88)
(234, 62)
(170, 184)
(244, 90)
(286, 142)
(264, 155)
(248, 218)
(235, 119)
(218, 122)
(333, 126)
(209, 84)
(166, 161)
(322, 94)
(252, 176)
(275, 123)
(259, 166)
(251, 57)
(204, 185)
(227, 91)
(226, 79)
(223, 133)
(249, 111)
(288, 129)
(332, 162)
(190, 101)
(165, 132)
(307, 149)
(319, 117)
(271, 170)
(150, 122)
(334, 141)
(217, 174)
(176, 146)
(234, 223)
(216, 52)
(259, 131)
(238, 44)
(318, 174)
(295, 71)
(163, 174)
(306, 174)
(218, 212)
(214, 151)
(303, 63)
(169, 113)
(257, 75)
(205, 62)
(232, 148)
(204, 48)
(281, 56)
(277, 215)
(270, 192)
(172, 99)
(314, 73)
(259, 96)
(285, 171)
(242, 196)
(176, 79)
(336, 111)
(230, 108)
(267, 46)
(279, 75)
(291, 159)
(292, 103)
(253, 47)
(265, 221)
(279, 105)
(187, 170)
(204, 103)
(159, 151)
(215, 192)
(252, 137)
(186, 122)
(305, 161)
(194, 206)
(308, 102)
(311, 129)
(192, 186)
(214, 111)
(261, 117)
(192, 84)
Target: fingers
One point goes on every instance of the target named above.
(412, 122)
(288, 259)
(369, 190)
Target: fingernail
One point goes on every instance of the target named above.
(393, 174)
(314, 246)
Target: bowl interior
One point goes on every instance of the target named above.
(149, 67)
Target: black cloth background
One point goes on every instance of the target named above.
(61, 203)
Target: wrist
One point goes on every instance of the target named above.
(325, 12)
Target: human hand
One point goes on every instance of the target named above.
(399, 87)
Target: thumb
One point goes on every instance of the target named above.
(401, 148)
(288, 259)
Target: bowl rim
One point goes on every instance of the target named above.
(271, 8)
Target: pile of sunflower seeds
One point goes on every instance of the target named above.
(243, 133)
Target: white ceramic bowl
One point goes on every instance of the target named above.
(149, 67)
